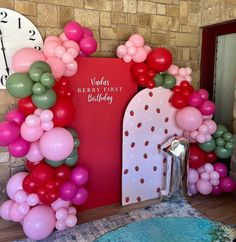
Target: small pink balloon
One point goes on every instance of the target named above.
(23, 208)
(221, 169)
(32, 120)
(188, 78)
(140, 56)
(193, 176)
(71, 44)
(31, 133)
(49, 48)
(32, 199)
(204, 187)
(187, 135)
(46, 115)
(203, 129)
(188, 70)
(57, 66)
(34, 154)
(14, 184)
(194, 99)
(204, 94)
(15, 115)
(192, 189)
(59, 51)
(131, 50)
(53, 38)
(211, 126)
(182, 72)
(20, 196)
(179, 79)
(72, 210)
(67, 57)
(63, 37)
(9, 132)
(81, 196)
(79, 176)
(59, 203)
(214, 175)
(14, 213)
(73, 51)
(205, 176)
(201, 138)
(227, 184)
(215, 182)
(73, 31)
(5, 210)
(207, 107)
(19, 147)
(194, 134)
(137, 40)
(69, 73)
(208, 167)
(38, 111)
(127, 58)
(208, 137)
(173, 70)
(87, 32)
(129, 43)
(200, 169)
(147, 48)
(121, 51)
(73, 66)
(88, 45)
(47, 125)
(216, 190)
(71, 221)
(206, 117)
(61, 214)
(60, 225)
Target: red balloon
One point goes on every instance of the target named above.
(142, 81)
(43, 195)
(63, 112)
(159, 59)
(197, 157)
(41, 174)
(64, 91)
(151, 84)
(176, 89)
(211, 157)
(62, 172)
(151, 74)
(184, 83)
(26, 106)
(139, 69)
(179, 101)
(51, 185)
(30, 165)
(28, 185)
(53, 196)
(187, 90)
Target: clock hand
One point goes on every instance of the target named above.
(3, 51)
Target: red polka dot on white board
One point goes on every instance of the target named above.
(164, 173)
(152, 129)
(164, 160)
(131, 113)
(146, 107)
(158, 110)
(136, 168)
(141, 180)
(150, 94)
(139, 199)
(166, 119)
(145, 156)
(139, 125)
(126, 171)
(132, 144)
(159, 146)
(126, 133)
(127, 199)
(158, 189)
(166, 131)
(154, 168)
(146, 143)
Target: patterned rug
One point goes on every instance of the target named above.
(95, 230)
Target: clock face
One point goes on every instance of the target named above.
(16, 32)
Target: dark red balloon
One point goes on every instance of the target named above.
(51, 185)
(28, 185)
(41, 174)
(53, 196)
(176, 89)
(62, 172)
(151, 84)
(151, 74)
(159, 59)
(197, 157)
(63, 112)
(43, 195)
(30, 165)
(179, 101)
(187, 90)
(138, 69)
(142, 81)
(211, 157)
(184, 83)
(26, 106)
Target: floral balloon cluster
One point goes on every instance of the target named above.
(42, 198)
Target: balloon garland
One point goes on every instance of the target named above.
(42, 198)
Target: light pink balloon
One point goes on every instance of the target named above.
(72, 210)
(208, 167)
(215, 182)
(208, 137)
(131, 50)
(46, 115)
(121, 51)
(15, 184)
(192, 189)
(25, 57)
(205, 176)
(67, 57)
(60, 225)
(214, 175)
(188, 118)
(147, 48)
(32, 199)
(47, 125)
(39, 222)
(59, 203)
(179, 79)
(71, 44)
(203, 129)
(200, 169)
(188, 70)
(57, 66)
(201, 138)
(71, 221)
(29, 133)
(211, 125)
(127, 58)
(14, 213)
(73, 66)
(63, 37)
(129, 43)
(187, 135)
(20, 196)
(34, 154)
(38, 111)
(173, 70)
(194, 134)
(207, 117)
(69, 73)
(53, 38)
(188, 78)
(23, 208)
(140, 56)
(73, 51)
(193, 175)
(59, 51)
(61, 214)
(182, 72)
(15, 115)
(204, 187)
(49, 48)
(32, 120)
(137, 39)
(5, 210)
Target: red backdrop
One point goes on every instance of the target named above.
(102, 89)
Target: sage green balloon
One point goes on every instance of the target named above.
(19, 85)
(41, 65)
(158, 79)
(229, 145)
(38, 89)
(54, 163)
(220, 142)
(72, 159)
(76, 142)
(227, 136)
(219, 131)
(45, 101)
(35, 73)
(208, 146)
(73, 132)
(169, 81)
(222, 153)
(47, 79)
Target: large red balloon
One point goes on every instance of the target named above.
(62, 172)
(63, 112)
(41, 174)
(26, 106)
(159, 59)
(139, 69)
(197, 157)
(28, 185)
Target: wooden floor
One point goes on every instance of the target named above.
(222, 208)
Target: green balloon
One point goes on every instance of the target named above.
(169, 81)
(35, 73)
(219, 131)
(72, 159)
(73, 132)
(208, 146)
(229, 145)
(158, 79)
(54, 163)
(19, 85)
(227, 136)
(222, 153)
(220, 141)
(47, 79)
(76, 142)
(45, 101)
(38, 88)
(41, 65)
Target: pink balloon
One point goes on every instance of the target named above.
(137, 39)
(129, 43)
(207, 107)
(188, 78)
(67, 57)
(131, 50)
(14, 213)
(192, 189)
(5, 210)
(204, 94)
(32, 120)
(39, 222)
(71, 221)
(188, 136)
(73, 66)
(208, 137)
(51, 38)
(59, 51)
(204, 187)
(49, 48)
(173, 70)
(214, 175)
(73, 31)
(216, 190)
(25, 57)
(73, 51)
(69, 73)
(19, 147)
(221, 169)
(67, 190)
(20, 196)
(140, 56)
(56, 144)
(205, 176)
(215, 182)
(29, 133)
(207, 117)
(127, 58)
(9, 132)
(34, 154)
(182, 72)
(194, 99)
(194, 134)
(227, 184)
(57, 66)
(46, 115)
(15, 115)
(200, 169)
(192, 176)
(201, 138)
(72, 210)
(87, 32)
(15, 184)
(32, 199)
(208, 167)
(79, 176)
(61, 214)
(188, 70)
(60, 225)
(71, 44)
(88, 45)
(121, 51)
(188, 118)
(47, 125)
(203, 129)
(179, 79)
(59, 203)
(147, 48)
(211, 125)
(81, 196)
(63, 37)
(23, 208)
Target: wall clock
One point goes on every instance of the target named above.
(16, 32)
